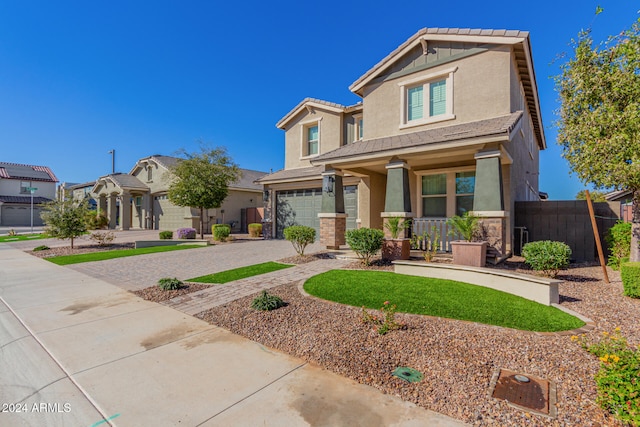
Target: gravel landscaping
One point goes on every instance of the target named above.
(79, 249)
(458, 359)
(155, 294)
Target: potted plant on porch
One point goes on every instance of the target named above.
(396, 247)
(468, 251)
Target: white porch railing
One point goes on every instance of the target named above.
(429, 228)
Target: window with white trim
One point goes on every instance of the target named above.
(434, 195)
(447, 193)
(465, 184)
(427, 99)
(24, 187)
(310, 139)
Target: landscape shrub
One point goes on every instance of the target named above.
(630, 273)
(619, 241)
(186, 233)
(267, 302)
(365, 242)
(468, 226)
(255, 230)
(618, 379)
(102, 238)
(220, 232)
(166, 235)
(169, 284)
(396, 225)
(41, 248)
(386, 322)
(547, 256)
(300, 236)
(96, 221)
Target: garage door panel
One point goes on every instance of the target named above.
(301, 207)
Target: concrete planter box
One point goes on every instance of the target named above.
(473, 254)
(393, 249)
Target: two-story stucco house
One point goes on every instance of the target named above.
(138, 199)
(18, 183)
(449, 122)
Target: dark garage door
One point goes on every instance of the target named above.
(301, 207)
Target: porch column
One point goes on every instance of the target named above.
(102, 205)
(488, 201)
(397, 200)
(125, 210)
(146, 211)
(112, 211)
(333, 219)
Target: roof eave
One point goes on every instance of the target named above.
(301, 106)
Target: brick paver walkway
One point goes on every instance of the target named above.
(218, 295)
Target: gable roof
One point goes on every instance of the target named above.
(311, 103)
(121, 180)
(519, 40)
(23, 200)
(30, 172)
(248, 180)
(497, 126)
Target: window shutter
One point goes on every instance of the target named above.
(415, 106)
(438, 98)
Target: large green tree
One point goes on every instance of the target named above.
(201, 180)
(65, 219)
(599, 118)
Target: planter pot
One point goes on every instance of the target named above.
(469, 253)
(393, 249)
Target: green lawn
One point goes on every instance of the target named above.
(240, 273)
(438, 297)
(101, 256)
(20, 237)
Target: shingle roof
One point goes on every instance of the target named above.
(306, 101)
(30, 172)
(292, 174)
(124, 180)
(248, 180)
(489, 127)
(23, 200)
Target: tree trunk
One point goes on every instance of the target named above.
(201, 223)
(72, 243)
(634, 255)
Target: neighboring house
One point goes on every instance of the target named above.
(449, 122)
(17, 185)
(625, 197)
(77, 192)
(139, 199)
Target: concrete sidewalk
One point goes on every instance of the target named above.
(78, 351)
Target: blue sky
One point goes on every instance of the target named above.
(79, 78)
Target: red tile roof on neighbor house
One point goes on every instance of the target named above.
(30, 172)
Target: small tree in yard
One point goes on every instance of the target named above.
(599, 118)
(201, 180)
(365, 242)
(300, 236)
(65, 219)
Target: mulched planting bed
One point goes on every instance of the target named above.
(458, 359)
(297, 259)
(155, 294)
(79, 249)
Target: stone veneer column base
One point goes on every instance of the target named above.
(266, 230)
(332, 229)
(494, 230)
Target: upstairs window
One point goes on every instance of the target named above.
(427, 99)
(149, 173)
(360, 128)
(24, 187)
(313, 140)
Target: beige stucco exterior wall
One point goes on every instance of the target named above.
(330, 129)
(11, 187)
(158, 183)
(480, 91)
(371, 195)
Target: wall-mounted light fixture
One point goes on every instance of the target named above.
(328, 182)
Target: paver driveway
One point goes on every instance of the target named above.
(139, 272)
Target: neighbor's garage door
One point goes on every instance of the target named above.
(20, 215)
(301, 207)
(167, 216)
